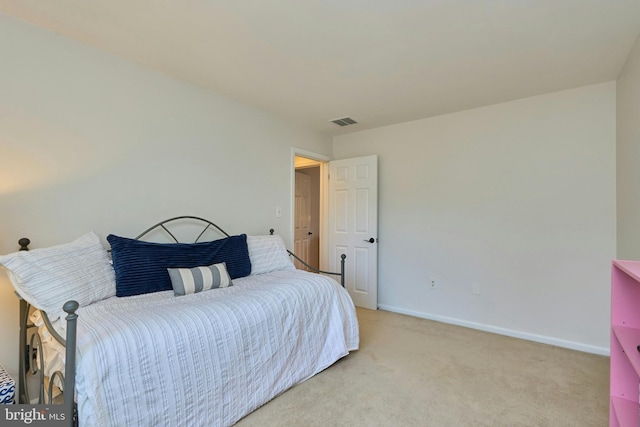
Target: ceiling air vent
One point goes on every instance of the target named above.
(345, 121)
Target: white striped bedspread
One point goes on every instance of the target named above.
(210, 358)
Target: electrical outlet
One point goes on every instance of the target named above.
(432, 283)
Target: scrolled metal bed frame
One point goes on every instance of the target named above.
(30, 362)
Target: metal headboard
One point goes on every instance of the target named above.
(209, 224)
(161, 224)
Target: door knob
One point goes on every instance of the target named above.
(309, 233)
(371, 240)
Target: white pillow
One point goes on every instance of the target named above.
(47, 278)
(268, 253)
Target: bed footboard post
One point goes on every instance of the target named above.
(70, 308)
(23, 390)
(342, 258)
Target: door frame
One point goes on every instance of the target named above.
(324, 199)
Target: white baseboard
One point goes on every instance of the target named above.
(502, 331)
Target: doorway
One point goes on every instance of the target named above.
(307, 211)
(347, 219)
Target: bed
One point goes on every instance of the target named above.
(196, 354)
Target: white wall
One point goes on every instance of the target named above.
(519, 197)
(628, 156)
(89, 141)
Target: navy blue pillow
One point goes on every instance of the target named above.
(141, 267)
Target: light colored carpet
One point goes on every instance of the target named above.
(416, 372)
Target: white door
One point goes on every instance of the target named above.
(302, 219)
(353, 226)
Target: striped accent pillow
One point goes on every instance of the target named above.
(187, 281)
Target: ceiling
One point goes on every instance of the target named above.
(380, 62)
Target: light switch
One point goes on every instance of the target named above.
(278, 212)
